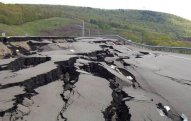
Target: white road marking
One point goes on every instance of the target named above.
(180, 57)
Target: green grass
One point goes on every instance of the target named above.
(36, 27)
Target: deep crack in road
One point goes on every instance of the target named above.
(91, 79)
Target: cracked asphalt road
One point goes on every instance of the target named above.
(168, 75)
(93, 79)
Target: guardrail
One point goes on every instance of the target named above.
(183, 50)
(37, 38)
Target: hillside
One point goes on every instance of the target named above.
(141, 26)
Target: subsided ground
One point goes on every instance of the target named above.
(93, 79)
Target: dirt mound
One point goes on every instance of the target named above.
(22, 44)
(9, 49)
(4, 50)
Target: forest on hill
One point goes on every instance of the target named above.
(147, 27)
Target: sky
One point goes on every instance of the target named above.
(178, 7)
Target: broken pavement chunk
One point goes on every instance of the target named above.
(113, 67)
(161, 107)
(129, 77)
(184, 117)
(167, 108)
(24, 110)
(27, 102)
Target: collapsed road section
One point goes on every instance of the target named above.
(89, 79)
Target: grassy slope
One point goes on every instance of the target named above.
(35, 27)
(142, 26)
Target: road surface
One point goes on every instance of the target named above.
(93, 79)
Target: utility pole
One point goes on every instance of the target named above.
(142, 38)
(83, 29)
(89, 32)
(186, 32)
